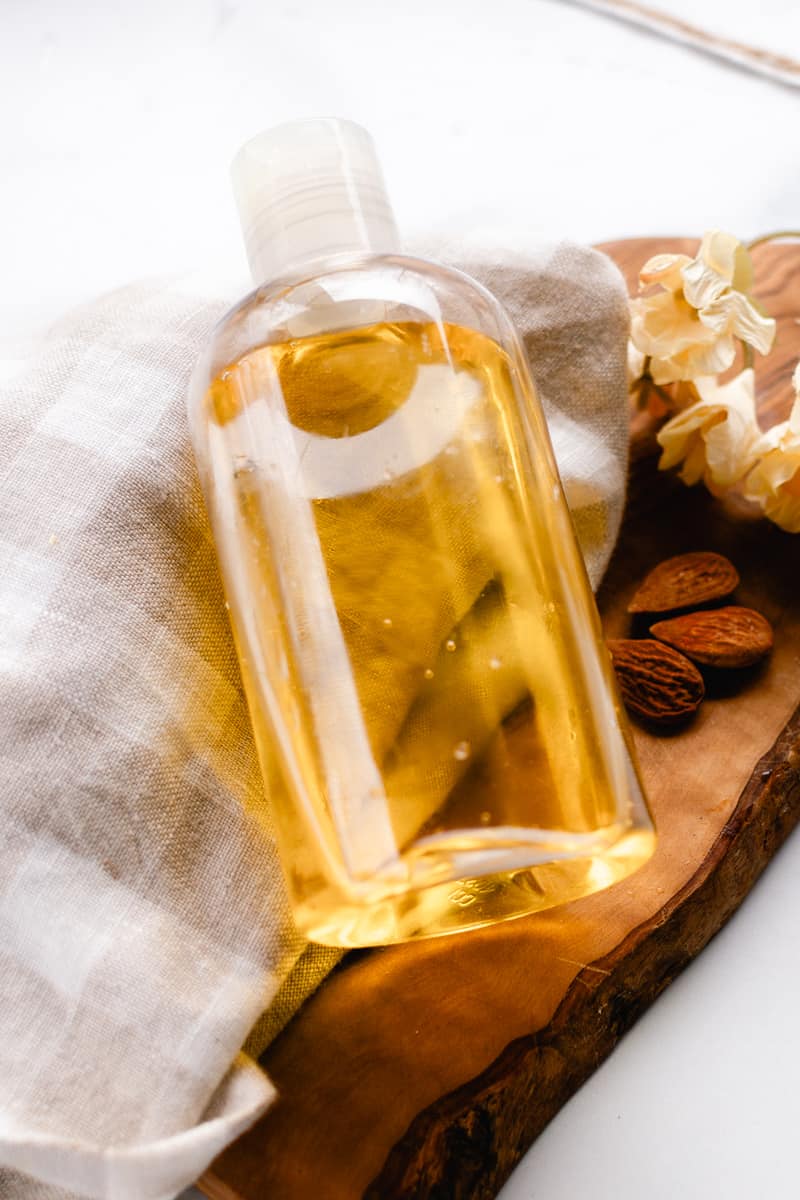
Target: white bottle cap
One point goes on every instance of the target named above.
(309, 190)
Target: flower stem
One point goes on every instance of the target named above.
(640, 385)
(647, 378)
(774, 237)
(663, 393)
(747, 354)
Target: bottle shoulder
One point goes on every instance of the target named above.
(350, 294)
(363, 273)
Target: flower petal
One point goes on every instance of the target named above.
(667, 329)
(664, 269)
(664, 323)
(674, 437)
(739, 392)
(722, 264)
(794, 415)
(694, 361)
(717, 438)
(702, 285)
(785, 511)
(718, 251)
(736, 314)
(635, 363)
(775, 470)
(775, 484)
(695, 463)
(775, 480)
(742, 270)
(730, 449)
(674, 442)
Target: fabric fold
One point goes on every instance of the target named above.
(157, 1168)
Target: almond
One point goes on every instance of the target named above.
(722, 637)
(684, 582)
(658, 684)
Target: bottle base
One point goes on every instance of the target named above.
(457, 906)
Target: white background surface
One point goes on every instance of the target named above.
(117, 124)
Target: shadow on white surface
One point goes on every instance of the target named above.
(699, 1100)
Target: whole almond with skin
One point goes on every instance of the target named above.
(658, 684)
(685, 581)
(720, 637)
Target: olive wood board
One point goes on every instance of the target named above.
(426, 1070)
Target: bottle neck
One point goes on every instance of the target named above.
(310, 192)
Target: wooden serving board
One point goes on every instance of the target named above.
(427, 1070)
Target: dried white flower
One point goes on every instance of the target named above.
(775, 480)
(717, 438)
(688, 328)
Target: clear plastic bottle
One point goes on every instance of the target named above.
(435, 713)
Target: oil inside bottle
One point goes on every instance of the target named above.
(405, 591)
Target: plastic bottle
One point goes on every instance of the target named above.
(435, 714)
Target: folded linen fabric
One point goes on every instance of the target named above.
(144, 927)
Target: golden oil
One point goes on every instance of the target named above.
(431, 699)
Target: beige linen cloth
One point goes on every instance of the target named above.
(145, 935)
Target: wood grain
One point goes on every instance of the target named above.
(426, 1070)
